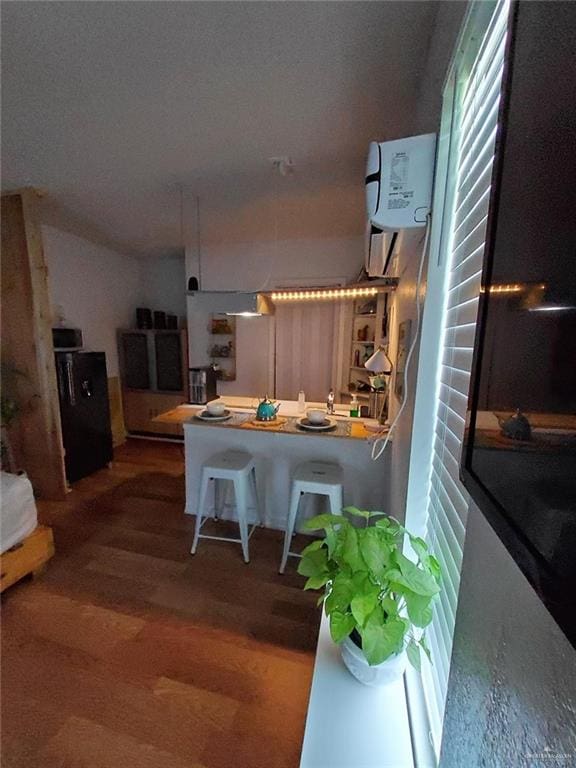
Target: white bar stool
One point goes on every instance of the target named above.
(314, 477)
(239, 468)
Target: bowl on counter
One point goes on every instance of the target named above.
(316, 415)
(216, 408)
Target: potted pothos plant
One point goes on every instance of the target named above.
(378, 601)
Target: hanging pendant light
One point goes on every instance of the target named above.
(241, 303)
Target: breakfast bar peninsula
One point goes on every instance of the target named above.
(278, 447)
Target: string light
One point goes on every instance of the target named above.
(513, 287)
(328, 293)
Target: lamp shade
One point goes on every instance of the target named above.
(379, 362)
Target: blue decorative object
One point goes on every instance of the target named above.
(266, 410)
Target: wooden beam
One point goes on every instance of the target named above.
(29, 371)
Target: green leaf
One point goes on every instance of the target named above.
(331, 540)
(363, 605)
(316, 582)
(314, 563)
(381, 640)
(315, 545)
(357, 512)
(374, 551)
(375, 513)
(413, 652)
(434, 568)
(384, 523)
(423, 645)
(323, 521)
(341, 624)
(351, 551)
(420, 547)
(389, 606)
(419, 609)
(341, 593)
(414, 578)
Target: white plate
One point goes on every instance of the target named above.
(205, 416)
(303, 423)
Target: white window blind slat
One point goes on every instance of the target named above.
(445, 512)
(458, 512)
(487, 63)
(472, 155)
(474, 129)
(488, 95)
(461, 336)
(466, 312)
(454, 378)
(436, 672)
(471, 212)
(471, 253)
(458, 357)
(438, 651)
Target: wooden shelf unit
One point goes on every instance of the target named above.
(154, 371)
(225, 372)
(354, 320)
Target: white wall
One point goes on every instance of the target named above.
(98, 289)
(163, 281)
(260, 265)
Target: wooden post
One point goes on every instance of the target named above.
(27, 350)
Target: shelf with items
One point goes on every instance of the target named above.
(361, 333)
(366, 308)
(222, 351)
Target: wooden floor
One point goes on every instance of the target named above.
(129, 653)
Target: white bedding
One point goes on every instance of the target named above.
(18, 517)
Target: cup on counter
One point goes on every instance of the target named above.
(216, 408)
(316, 415)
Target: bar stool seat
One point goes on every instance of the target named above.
(237, 467)
(316, 477)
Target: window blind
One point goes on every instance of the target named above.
(478, 84)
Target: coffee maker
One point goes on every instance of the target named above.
(202, 385)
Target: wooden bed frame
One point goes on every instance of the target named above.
(29, 556)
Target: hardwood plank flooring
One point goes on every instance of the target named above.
(128, 651)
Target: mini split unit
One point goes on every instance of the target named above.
(399, 176)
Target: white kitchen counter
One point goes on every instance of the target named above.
(277, 452)
(287, 407)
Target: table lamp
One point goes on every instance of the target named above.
(380, 366)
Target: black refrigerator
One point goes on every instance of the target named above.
(84, 412)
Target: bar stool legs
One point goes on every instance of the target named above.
(318, 478)
(238, 468)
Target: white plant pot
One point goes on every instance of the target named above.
(381, 674)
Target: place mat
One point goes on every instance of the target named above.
(253, 424)
(359, 430)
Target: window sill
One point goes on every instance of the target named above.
(350, 725)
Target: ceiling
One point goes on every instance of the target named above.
(113, 108)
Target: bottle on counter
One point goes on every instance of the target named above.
(354, 408)
(301, 402)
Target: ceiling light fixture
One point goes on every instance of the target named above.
(317, 294)
(242, 303)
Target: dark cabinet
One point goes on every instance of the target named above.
(153, 368)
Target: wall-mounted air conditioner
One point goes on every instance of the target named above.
(399, 177)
